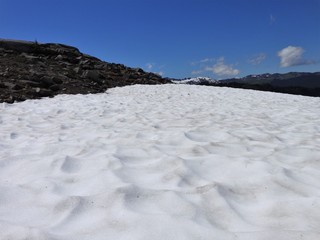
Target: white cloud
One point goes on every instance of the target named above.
(257, 59)
(221, 69)
(160, 73)
(196, 72)
(202, 61)
(292, 56)
(205, 60)
(149, 66)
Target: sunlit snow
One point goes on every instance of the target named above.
(161, 162)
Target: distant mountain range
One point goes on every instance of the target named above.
(291, 79)
(301, 83)
(196, 81)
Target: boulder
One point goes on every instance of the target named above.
(55, 87)
(47, 81)
(57, 80)
(91, 74)
(17, 87)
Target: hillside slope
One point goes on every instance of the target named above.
(33, 70)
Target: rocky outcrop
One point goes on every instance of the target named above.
(30, 70)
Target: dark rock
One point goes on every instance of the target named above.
(17, 87)
(84, 62)
(91, 74)
(10, 99)
(99, 66)
(20, 98)
(55, 88)
(41, 92)
(17, 45)
(139, 70)
(47, 81)
(59, 57)
(30, 83)
(77, 69)
(44, 70)
(57, 80)
(133, 76)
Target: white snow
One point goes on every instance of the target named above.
(161, 162)
(195, 80)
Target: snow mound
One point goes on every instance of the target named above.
(161, 162)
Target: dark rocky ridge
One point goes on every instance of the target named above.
(299, 83)
(29, 70)
(291, 79)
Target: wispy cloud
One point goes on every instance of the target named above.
(292, 56)
(159, 73)
(149, 66)
(218, 68)
(196, 72)
(257, 59)
(272, 19)
(202, 61)
(205, 60)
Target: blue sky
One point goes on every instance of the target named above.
(217, 38)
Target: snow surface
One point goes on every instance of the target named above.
(161, 162)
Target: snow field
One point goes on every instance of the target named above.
(161, 162)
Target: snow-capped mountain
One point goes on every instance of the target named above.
(197, 81)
